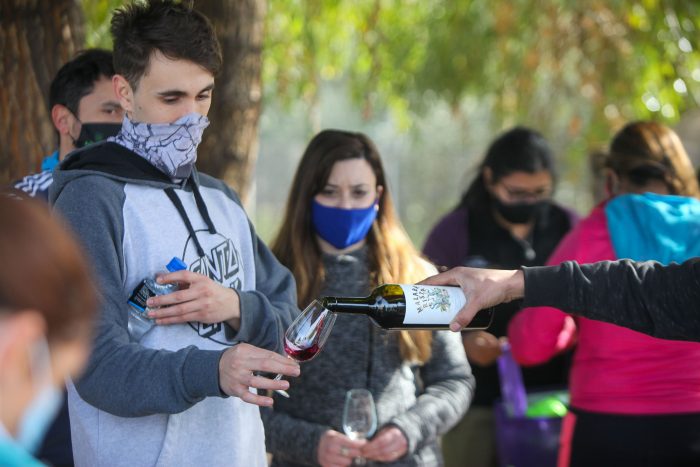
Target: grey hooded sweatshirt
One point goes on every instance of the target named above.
(158, 401)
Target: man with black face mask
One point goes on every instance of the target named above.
(84, 110)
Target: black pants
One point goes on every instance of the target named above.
(635, 440)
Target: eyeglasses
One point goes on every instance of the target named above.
(520, 195)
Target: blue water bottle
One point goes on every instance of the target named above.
(139, 322)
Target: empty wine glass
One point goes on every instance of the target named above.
(359, 417)
(308, 333)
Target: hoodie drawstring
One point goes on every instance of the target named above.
(203, 211)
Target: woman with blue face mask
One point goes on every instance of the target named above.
(47, 301)
(341, 236)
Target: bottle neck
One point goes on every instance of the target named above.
(352, 305)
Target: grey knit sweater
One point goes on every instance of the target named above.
(423, 402)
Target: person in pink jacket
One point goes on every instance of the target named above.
(635, 399)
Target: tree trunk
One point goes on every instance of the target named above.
(230, 145)
(36, 38)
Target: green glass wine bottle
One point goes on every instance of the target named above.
(398, 306)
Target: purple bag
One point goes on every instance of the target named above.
(522, 441)
(512, 387)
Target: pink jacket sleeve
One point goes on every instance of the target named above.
(539, 333)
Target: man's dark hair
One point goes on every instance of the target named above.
(76, 79)
(177, 31)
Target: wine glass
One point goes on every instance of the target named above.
(359, 417)
(308, 333)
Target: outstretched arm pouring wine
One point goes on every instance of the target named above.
(483, 288)
(661, 301)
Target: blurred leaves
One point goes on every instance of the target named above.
(574, 67)
(98, 13)
(589, 63)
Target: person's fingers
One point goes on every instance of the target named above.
(179, 296)
(238, 383)
(446, 278)
(260, 382)
(256, 399)
(290, 368)
(389, 449)
(353, 448)
(465, 315)
(338, 460)
(486, 340)
(371, 452)
(184, 318)
(175, 310)
(274, 364)
(254, 359)
(180, 276)
(337, 449)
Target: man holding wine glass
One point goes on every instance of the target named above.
(183, 392)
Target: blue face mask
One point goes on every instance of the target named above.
(342, 227)
(37, 418)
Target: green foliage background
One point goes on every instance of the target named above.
(447, 75)
(581, 65)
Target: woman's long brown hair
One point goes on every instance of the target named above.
(655, 151)
(392, 256)
(44, 269)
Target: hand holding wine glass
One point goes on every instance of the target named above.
(359, 417)
(308, 333)
(388, 445)
(238, 367)
(337, 450)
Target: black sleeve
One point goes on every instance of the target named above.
(662, 301)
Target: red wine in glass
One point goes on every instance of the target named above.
(300, 355)
(308, 333)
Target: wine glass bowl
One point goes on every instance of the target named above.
(359, 417)
(307, 334)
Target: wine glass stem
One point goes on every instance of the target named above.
(281, 392)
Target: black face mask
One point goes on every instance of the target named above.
(518, 213)
(91, 133)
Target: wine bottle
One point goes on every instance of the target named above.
(397, 306)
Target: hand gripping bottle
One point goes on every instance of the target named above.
(139, 322)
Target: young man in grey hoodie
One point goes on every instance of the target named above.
(158, 395)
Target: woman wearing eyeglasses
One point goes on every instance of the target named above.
(506, 219)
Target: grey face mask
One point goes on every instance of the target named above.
(170, 147)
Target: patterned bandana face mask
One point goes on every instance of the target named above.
(170, 147)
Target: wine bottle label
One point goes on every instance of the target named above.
(429, 304)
